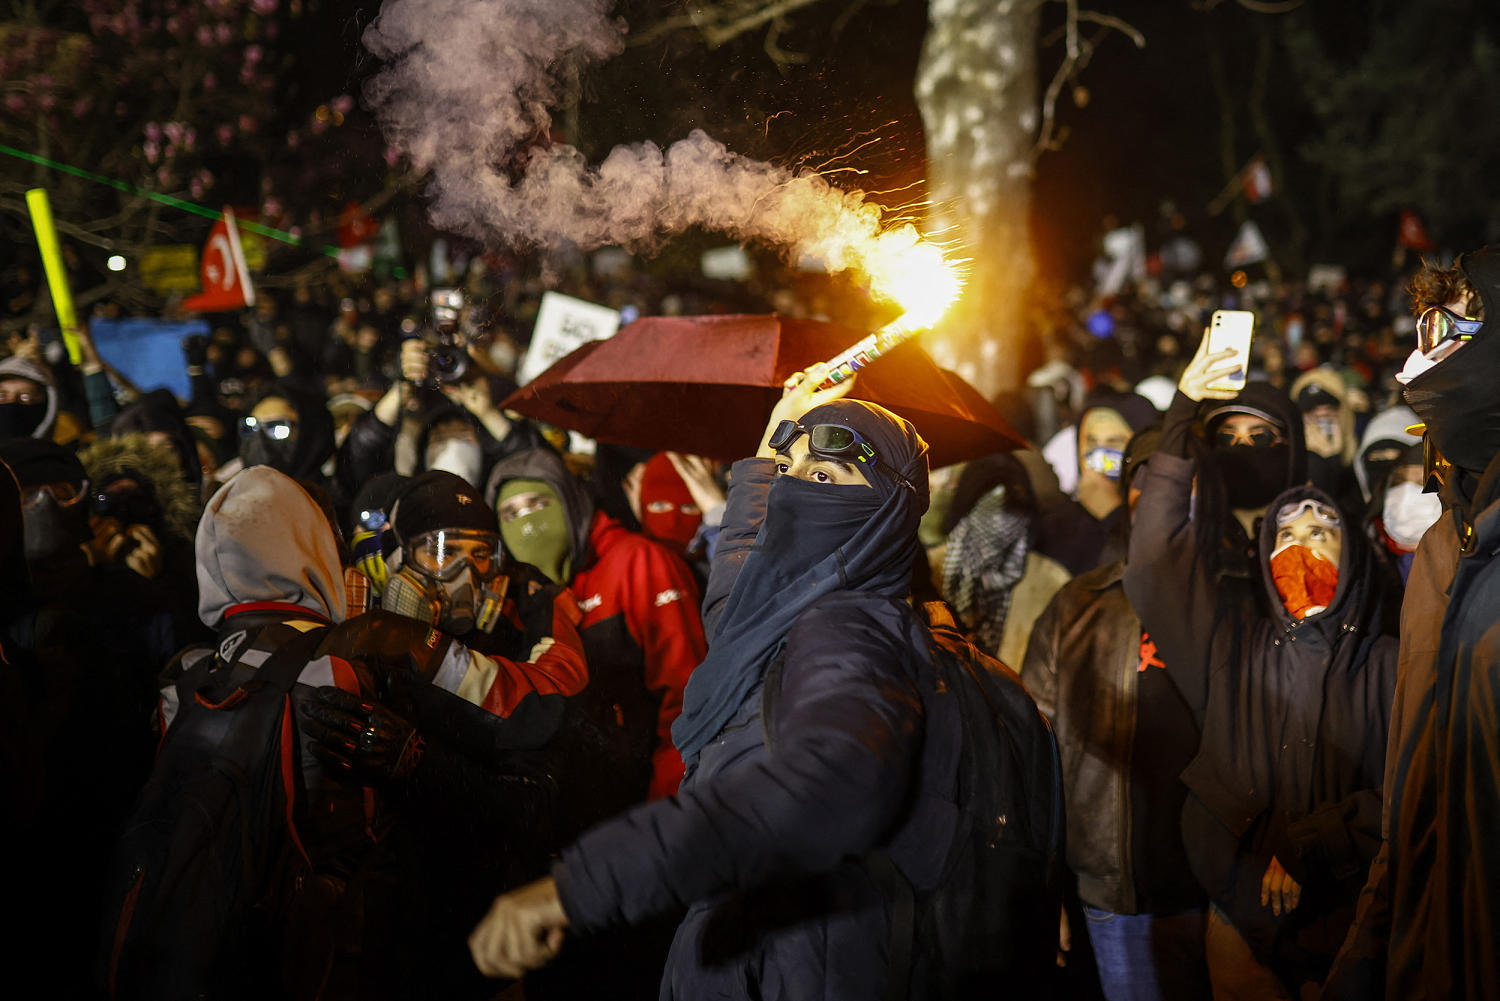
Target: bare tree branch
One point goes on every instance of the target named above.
(722, 21)
(1077, 53)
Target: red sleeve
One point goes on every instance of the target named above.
(556, 665)
(661, 610)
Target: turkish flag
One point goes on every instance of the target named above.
(226, 283)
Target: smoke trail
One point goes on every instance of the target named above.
(465, 94)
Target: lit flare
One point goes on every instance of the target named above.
(919, 279)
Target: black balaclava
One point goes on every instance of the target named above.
(54, 531)
(19, 420)
(1254, 476)
(1457, 397)
(816, 538)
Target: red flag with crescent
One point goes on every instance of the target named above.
(226, 283)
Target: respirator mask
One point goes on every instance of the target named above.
(448, 578)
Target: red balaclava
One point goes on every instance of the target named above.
(668, 513)
(1306, 580)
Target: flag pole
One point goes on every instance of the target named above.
(57, 275)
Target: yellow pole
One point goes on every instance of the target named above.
(52, 263)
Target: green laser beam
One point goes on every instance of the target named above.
(271, 232)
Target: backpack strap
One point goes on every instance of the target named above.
(279, 672)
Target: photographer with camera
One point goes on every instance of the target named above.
(441, 414)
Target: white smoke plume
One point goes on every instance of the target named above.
(465, 95)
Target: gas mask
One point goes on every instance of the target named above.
(448, 579)
(55, 527)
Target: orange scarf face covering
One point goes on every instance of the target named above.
(1306, 581)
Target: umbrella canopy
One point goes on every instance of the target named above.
(705, 385)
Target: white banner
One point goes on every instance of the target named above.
(562, 324)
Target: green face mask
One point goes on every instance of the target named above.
(537, 531)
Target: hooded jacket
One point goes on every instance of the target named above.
(1386, 428)
(1428, 926)
(641, 629)
(762, 843)
(39, 374)
(1293, 715)
(1333, 384)
(314, 430)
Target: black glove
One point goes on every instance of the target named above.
(195, 349)
(360, 738)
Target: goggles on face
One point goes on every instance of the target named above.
(278, 429)
(1320, 511)
(835, 441)
(1440, 332)
(445, 554)
(64, 493)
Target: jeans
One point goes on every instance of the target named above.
(1149, 957)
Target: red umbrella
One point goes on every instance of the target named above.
(706, 384)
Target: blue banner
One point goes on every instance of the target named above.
(147, 352)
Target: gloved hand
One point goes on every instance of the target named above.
(360, 738)
(369, 557)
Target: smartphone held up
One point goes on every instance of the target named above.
(1230, 329)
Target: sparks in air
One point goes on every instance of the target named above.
(915, 276)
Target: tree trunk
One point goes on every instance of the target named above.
(977, 91)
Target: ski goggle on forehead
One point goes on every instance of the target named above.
(1320, 511)
(1440, 332)
(445, 554)
(837, 442)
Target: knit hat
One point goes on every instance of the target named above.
(437, 500)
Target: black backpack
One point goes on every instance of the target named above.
(987, 925)
(212, 893)
(991, 922)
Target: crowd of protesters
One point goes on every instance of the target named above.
(540, 663)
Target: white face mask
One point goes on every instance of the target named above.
(459, 457)
(1408, 513)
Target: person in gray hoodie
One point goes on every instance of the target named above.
(28, 399)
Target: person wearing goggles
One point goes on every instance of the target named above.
(1268, 625)
(831, 453)
(448, 571)
(289, 430)
(810, 580)
(1442, 842)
